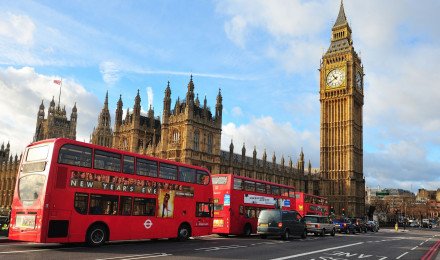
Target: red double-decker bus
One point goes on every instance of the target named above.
(307, 204)
(239, 200)
(69, 191)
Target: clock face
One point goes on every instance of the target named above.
(335, 78)
(359, 80)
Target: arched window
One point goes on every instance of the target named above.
(196, 140)
(209, 143)
(176, 137)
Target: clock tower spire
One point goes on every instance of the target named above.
(342, 98)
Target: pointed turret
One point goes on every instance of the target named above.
(197, 102)
(106, 101)
(219, 108)
(190, 93)
(118, 114)
(167, 103)
(137, 107)
(341, 20)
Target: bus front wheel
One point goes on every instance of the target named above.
(183, 233)
(96, 235)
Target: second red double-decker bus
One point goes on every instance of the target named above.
(239, 200)
(307, 204)
(69, 191)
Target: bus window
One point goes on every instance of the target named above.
(168, 171)
(202, 177)
(146, 168)
(81, 202)
(37, 153)
(75, 155)
(268, 189)
(128, 164)
(250, 212)
(187, 174)
(144, 207)
(275, 190)
(261, 187)
(292, 193)
(103, 204)
(249, 186)
(238, 184)
(204, 210)
(284, 191)
(107, 161)
(125, 206)
(219, 180)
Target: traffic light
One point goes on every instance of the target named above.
(343, 212)
(332, 210)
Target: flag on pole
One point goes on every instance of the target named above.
(56, 81)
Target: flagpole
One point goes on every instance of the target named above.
(59, 97)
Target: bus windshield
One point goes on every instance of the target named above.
(30, 187)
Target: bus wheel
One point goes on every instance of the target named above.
(247, 230)
(183, 233)
(96, 235)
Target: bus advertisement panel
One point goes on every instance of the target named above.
(69, 191)
(307, 204)
(239, 200)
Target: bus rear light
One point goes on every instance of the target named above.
(280, 224)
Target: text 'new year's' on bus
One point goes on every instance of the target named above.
(69, 191)
(307, 204)
(239, 200)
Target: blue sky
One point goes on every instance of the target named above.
(264, 55)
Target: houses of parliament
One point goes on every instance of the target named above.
(190, 132)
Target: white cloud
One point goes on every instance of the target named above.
(150, 96)
(281, 138)
(235, 30)
(22, 92)
(236, 112)
(110, 72)
(18, 27)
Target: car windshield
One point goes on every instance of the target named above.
(308, 219)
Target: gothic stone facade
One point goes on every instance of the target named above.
(8, 175)
(56, 124)
(190, 133)
(342, 97)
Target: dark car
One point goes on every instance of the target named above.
(284, 223)
(359, 225)
(372, 226)
(344, 225)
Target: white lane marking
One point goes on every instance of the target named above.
(216, 248)
(317, 251)
(128, 257)
(414, 247)
(401, 255)
(39, 250)
(421, 243)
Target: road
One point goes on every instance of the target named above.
(385, 244)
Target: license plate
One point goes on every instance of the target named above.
(263, 225)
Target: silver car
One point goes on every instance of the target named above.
(319, 225)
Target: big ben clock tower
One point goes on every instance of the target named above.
(341, 94)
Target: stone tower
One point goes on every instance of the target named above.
(137, 131)
(103, 134)
(342, 98)
(190, 132)
(56, 125)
